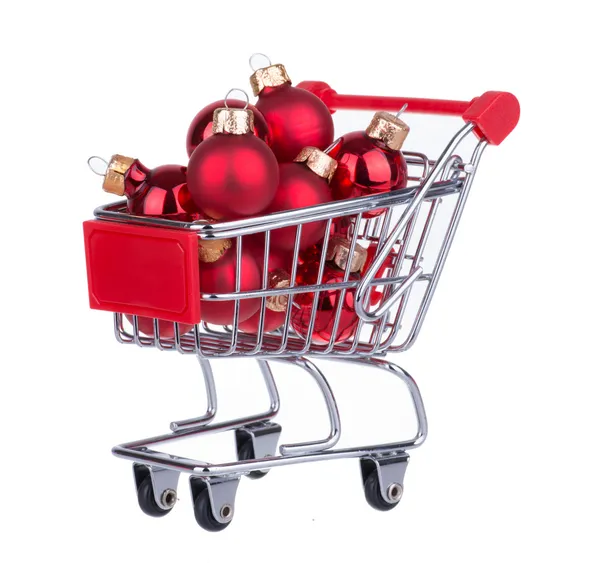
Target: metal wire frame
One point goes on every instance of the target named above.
(378, 331)
(291, 454)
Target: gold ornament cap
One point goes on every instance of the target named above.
(318, 161)
(212, 250)
(338, 252)
(269, 77)
(389, 129)
(234, 121)
(278, 279)
(114, 179)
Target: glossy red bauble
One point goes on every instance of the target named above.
(327, 306)
(298, 187)
(219, 277)
(165, 328)
(232, 176)
(296, 118)
(160, 192)
(201, 127)
(388, 263)
(272, 321)
(366, 166)
(343, 226)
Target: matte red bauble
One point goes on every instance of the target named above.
(158, 192)
(370, 162)
(165, 328)
(273, 320)
(277, 259)
(296, 118)
(232, 174)
(302, 184)
(278, 267)
(327, 305)
(202, 125)
(219, 277)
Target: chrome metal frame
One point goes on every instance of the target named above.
(405, 237)
(139, 452)
(404, 230)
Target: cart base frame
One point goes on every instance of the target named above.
(214, 486)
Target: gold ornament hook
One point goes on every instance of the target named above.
(238, 90)
(100, 167)
(254, 69)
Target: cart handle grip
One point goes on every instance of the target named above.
(493, 114)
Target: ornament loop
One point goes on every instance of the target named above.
(252, 57)
(238, 90)
(97, 165)
(401, 110)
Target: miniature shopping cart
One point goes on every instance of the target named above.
(148, 267)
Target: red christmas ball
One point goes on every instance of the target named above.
(277, 259)
(366, 166)
(388, 263)
(159, 192)
(219, 277)
(296, 118)
(327, 305)
(343, 226)
(272, 321)
(201, 127)
(166, 329)
(299, 187)
(232, 176)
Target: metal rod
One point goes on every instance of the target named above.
(332, 411)
(211, 401)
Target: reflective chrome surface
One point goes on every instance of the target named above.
(412, 234)
(412, 237)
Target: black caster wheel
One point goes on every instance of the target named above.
(204, 515)
(147, 501)
(374, 496)
(246, 453)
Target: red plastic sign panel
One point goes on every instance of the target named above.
(146, 271)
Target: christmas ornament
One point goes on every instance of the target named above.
(338, 252)
(166, 329)
(328, 301)
(275, 307)
(302, 183)
(388, 263)
(233, 173)
(159, 192)
(219, 276)
(277, 259)
(202, 125)
(296, 118)
(212, 250)
(342, 226)
(370, 162)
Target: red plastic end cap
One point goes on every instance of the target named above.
(494, 114)
(321, 90)
(144, 271)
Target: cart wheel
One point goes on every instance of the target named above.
(204, 515)
(147, 502)
(246, 453)
(374, 496)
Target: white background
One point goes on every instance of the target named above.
(506, 361)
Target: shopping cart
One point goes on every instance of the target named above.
(146, 266)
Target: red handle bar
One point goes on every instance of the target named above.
(494, 114)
